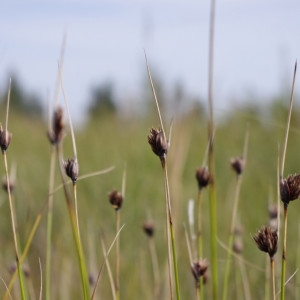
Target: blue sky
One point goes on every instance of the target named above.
(256, 45)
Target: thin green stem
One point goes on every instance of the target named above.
(200, 242)
(212, 190)
(170, 221)
(79, 250)
(117, 256)
(273, 277)
(283, 266)
(13, 225)
(24, 254)
(231, 237)
(49, 225)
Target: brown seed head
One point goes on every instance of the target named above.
(237, 165)
(56, 134)
(158, 144)
(273, 211)
(115, 199)
(290, 188)
(5, 138)
(203, 177)
(12, 184)
(266, 240)
(71, 168)
(149, 228)
(199, 269)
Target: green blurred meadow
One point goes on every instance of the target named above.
(121, 141)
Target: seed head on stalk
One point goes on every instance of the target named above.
(266, 240)
(158, 143)
(290, 188)
(55, 134)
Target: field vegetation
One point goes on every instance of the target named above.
(112, 139)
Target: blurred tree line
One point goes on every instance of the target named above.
(103, 101)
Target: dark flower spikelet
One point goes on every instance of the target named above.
(5, 138)
(266, 240)
(149, 228)
(158, 143)
(199, 269)
(203, 177)
(56, 134)
(290, 188)
(238, 165)
(71, 169)
(115, 199)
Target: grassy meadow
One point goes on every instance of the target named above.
(114, 140)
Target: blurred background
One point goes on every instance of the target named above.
(106, 83)
(256, 46)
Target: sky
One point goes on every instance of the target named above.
(256, 45)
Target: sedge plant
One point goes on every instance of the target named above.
(5, 138)
(238, 165)
(289, 189)
(159, 145)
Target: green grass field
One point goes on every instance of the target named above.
(116, 141)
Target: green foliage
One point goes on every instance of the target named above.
(118, 141)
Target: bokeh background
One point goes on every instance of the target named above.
(106, 84)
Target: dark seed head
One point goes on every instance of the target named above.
(149, 228)
(56, 134)
(71, 168)
(5, 138)
(238, 165)
(115, 199)
(266, 240)
(203, 177)
(158, 143)
(199, 269)
(290, 188)
(12, 184)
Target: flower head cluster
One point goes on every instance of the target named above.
(149, 228)
(71, 168)
(238, 165)
(115, 199)
(5, 138)
(266, 240)
(203, 177)
(158, 143)
(56, 133)
(290, 188)
(199, 269)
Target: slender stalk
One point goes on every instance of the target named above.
(283, 266)
(273, 277)
(267, 279)
(288, 122)
(5, 141)
(79, 250)
(24, 254)
(117, 256)
(169, 213)
(155, 267)
(200, 242)
(231, 237)
(49, 224)
(211, 163)
(283, 271)
(103, 264)
(13, 227)
(169, 222)
(111, 280)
